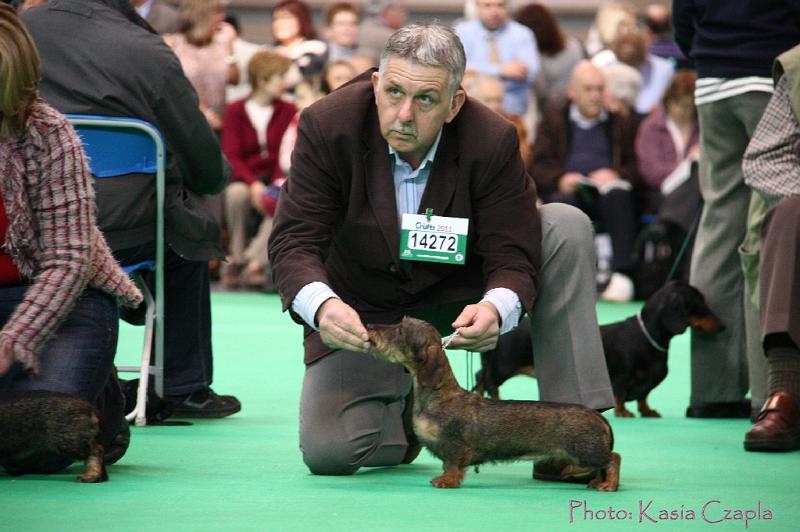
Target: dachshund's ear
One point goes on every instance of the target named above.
(431, 371)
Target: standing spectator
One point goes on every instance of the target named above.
(204, 46)
(295, 37)
(503, 48)
(252, 132)
(733, 45)
(772, 167)
(58, 279)
(583, 156)
(161, 16)
(342, 20)
(110, 63)
(559, 53)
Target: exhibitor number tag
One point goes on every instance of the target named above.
(433, 238)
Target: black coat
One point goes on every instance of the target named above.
(95, 61)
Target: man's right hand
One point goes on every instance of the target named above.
(340, 326)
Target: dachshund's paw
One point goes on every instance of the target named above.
(446, 481)
(606, 485)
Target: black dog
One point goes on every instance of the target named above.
(635, 348)
(36, 421)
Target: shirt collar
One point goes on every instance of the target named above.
(425, 160)
(144, 9)
(586, 123)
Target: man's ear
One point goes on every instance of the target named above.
(376, 81)
(458, 101)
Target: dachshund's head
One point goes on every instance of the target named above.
(680, 305)
(414, 343)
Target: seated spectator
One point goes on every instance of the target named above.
(375, 30)
(117, 54)
(342, 20)
(559, 53)
(489, 91)
(336, 74)
(631, 48)
(243, 51)
(296, 38)
(161, 15)
(203, 45)
(668, 141)
(623, 83)
(658, 25)
(613, 18)
(583, 155)
(59, 283)
(252, 132)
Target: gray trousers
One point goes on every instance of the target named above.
(352, 404)
(719, 363)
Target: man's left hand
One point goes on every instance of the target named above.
(479, 326)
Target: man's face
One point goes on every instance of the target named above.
(413, 102)
(491, 13)
(344, 29)
(586, 92)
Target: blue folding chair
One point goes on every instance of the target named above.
(118, 146)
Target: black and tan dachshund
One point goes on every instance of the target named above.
(34, 421)
(463, 428)
(635, 348)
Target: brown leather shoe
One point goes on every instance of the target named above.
(777, 426)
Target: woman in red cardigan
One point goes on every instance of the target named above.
(252, 130)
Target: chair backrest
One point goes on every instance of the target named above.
(117, 146)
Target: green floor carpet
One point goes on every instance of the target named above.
(246, 473)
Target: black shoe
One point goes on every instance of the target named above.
(119, 446)
(205, 404)
(729, 410)
(134, 316)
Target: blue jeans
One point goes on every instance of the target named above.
(78, 359)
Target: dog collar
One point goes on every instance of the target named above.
(650, 339)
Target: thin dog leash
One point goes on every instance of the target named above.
(685, 245)
(470, 375)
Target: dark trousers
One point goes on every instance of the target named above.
(779, 282)
(78, 359)
(187, 318)
(613, 213)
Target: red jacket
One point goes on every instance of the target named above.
(240, 142)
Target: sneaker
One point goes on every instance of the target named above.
(205, 403)
(619, 289)
(114, 452)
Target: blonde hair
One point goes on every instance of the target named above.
(197, 17)
(20, 71)
(609, 18)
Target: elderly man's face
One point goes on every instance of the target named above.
(491, 13)
(413, 102)
(586, 91)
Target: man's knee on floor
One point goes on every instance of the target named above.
(331, 456)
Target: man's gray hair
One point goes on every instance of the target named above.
(430, 45)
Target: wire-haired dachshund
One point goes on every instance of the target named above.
(463, 428)
(635, 348)
(37, 421)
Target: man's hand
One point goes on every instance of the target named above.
(6, 356)
(480, 328)
(604, 176)
(568, 183)
(514, 70)
(340, 327)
